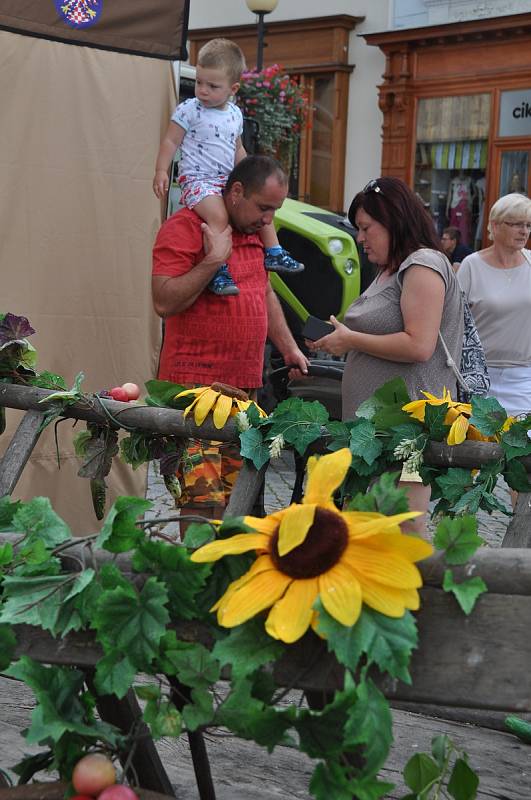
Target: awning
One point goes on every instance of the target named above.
(156, 28)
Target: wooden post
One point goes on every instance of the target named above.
(19, 450)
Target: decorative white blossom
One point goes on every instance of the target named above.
(275, 448)
(242, 421)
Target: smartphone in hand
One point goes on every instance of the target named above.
(315, 328)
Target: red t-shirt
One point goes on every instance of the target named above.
(216, 338)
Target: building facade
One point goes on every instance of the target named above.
(437, 92)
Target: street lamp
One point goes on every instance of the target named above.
(261, 8)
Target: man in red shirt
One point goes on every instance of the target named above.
(209, 338)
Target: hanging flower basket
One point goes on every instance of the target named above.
(279, 106)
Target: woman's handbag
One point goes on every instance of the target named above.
(472, 376)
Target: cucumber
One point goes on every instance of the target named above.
(519, 727)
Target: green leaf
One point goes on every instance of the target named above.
(163, 393)
(370, 788)
(190, 662)
(48, 380)
(182, 578)
(331, 780)
(386, 641)
(458, 538)
(133, 622)
(517, 477)
(466, 592)
(8, 510)
(420, 772)
(384, 407)
(464, 782)
(299, 423)
(389, 498)
(470, 502)
(119, 532)
(340, 435)
(8, 645)
(197, 534)
(364, 442)
(6, 554)
(250, 718)
(440, 748)
(246, 648)
(148, 691)
(253, 447)
(434, 417)
(200, 711)
(42, 601)
(515, 441)
(488, 415)
(59, 709)
(38, 520)
(370, 723)
(163, 719)
(454, 484)
(114, 674)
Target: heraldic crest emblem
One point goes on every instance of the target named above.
(79, 13)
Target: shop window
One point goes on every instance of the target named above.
(451, 159)
(514, 170)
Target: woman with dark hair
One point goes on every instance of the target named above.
(392, 329)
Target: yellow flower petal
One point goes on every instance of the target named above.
(255, 596)
(458, 431)
(325, 474)
(388, 600)
(291, 616)
(222, 410)
(294, 527)
(241, 543)
(262, 564)
(361, 527)
(384, 566)
(416, 409)
(199, 390)
(411, 547)
(268, 525)
(204, 404)
(340, 593)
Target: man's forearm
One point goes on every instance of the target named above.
(174, 295)
(277, 327)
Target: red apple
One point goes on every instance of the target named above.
(119, 393)
(92, 774)
(133, 392)
(118, 792)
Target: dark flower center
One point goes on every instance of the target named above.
(323, 547)
(230, 391)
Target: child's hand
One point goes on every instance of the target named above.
(161, 183)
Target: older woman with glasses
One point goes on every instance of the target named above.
(497, 283)
(392, 329)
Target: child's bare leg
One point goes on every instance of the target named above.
(418, 500)
(276, 258)
(212, 209)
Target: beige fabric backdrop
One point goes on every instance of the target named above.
(79, 133)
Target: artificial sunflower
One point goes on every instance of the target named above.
(313, 550)
(222, 399)
(457, 416)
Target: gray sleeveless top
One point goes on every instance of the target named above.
(377, 311)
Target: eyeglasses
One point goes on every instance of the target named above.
(372, 186)
(525, 225)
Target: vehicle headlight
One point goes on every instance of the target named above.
(348, 266)
(335, 246)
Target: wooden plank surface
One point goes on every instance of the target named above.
(245, 771)
(19, 450)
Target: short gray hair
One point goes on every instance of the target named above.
(514, 205)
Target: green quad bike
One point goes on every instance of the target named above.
(335, 274)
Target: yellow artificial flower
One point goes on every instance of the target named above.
(222, 399)
(313, 550)
(458, 417)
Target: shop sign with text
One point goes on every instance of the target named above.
(515, 113)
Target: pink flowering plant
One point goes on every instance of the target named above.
(279, 105)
